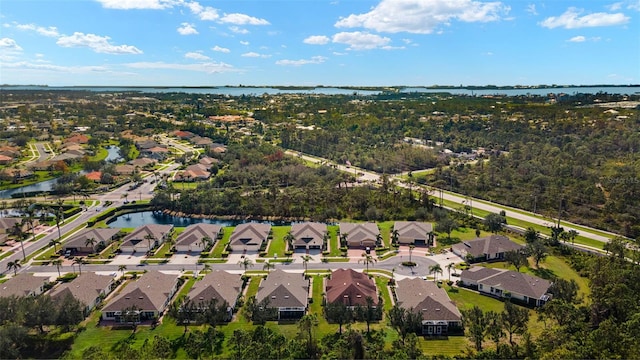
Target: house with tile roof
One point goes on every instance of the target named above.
(89, 288)
(414, 232)
(194, 237)
(147, 297)
(145, 238)
(487, 248)
(79, 244)
(440, 316)
(5, 160)
(24, 284)
(309, 235)
(249, 237)
(507, 284)
(360, 235)
(351, 288)
(220, 285)
(288, 293)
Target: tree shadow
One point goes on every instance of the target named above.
(543, 273)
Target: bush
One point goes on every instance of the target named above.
(67, 277)
(408, 263)
(225, 254)
(326, 253)
(288, 253)
(168, 254)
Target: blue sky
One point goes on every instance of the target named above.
(312, 42)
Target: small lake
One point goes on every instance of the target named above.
(134, 220)
(41, 186)
(113, 154)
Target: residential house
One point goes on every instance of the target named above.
(145, 298)
(249, 237)
(94, 176)
(45, 165)
(208, 161)
(5, 160)
(218, 148)
(360, 235)
(514, 285)
(309, 235)
(143, 162)
(183, 134)
(486, 248)
(81, 242)
(194, 237)
(89, 288)
(413, 232)
(146, 238)
(440, 316)
(17, 174)
(125, 169)
(157, 153)
(24, 284)
(220, 285)
(7, 224)
(194, 172)
(11, 151)
(351, 288)
(201, 142)
(77, 138)
(286, 292)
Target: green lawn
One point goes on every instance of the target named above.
(277, 245)
(385, 229)
(334, 244)
(218, 248)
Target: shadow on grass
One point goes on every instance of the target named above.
(544, 273)
(448, 241)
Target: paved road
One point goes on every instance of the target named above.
(462, 200)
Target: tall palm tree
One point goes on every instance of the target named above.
(149, 238)
(57, 263)
(435, 270)
(305, 260)
(14, 265)
(430, 236)
(379, 239)
(91, 242)
(449, 267)
(289, 239)
(395, 236)
(343, 239)
(20, 236)
(268, 266)
(246, 263)
(54, 243)
(79, 261)
(367, 259)
(59, 217)
(122, 268)
(411, 247)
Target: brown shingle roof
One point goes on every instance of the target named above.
(22, 285)
(350, 287)
(309, 233)
(412, 229)
(427, 298)
(86, 287)
(149, 293)
(359, 232)
(219, 285)
(515, 282)
(100, 235)
(155, 230)
(197, 232)
(284, 289)
(493, 244)
(250, 235)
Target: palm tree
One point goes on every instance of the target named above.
(305, 260)
(367, 259)
(20, 236)
(343, 239)
(395, 236)
(435, 270)
(122, 268)
(289, 239)
(246, 263)
(14, 265)
(411, 247)
(79, 261)
(54, 243)
(379, 239)
(449, 267)
(430, 236)
(90, 242)
(57, 263)
(149, 238)
(267, 266)
(59, 217)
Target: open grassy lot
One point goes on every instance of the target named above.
(277, 245)
(218, 248)
(334, 243)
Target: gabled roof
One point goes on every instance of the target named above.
(427, 298)
(350, 287)
(86, 287)
(22, 285)
(148, 293)
(413, 229)
(493, 244)
(7, 223)
(477, 273)
(94, 175)
(155, 230)
(100, 235)
(219, 285)
(284, 289)
(249, 234)
(515, 282)
(196, 232)
(309, 233)
(143, 161)
(357, 232)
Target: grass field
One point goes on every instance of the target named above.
(334, 244)
(277, 245)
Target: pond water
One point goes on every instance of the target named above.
(114, 154)
(134, 220)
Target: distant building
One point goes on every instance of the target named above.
(527, 289)
(413, 232)
(309, 235)
(360, 235)
(351, 288)
(219, 285)
(88, 288)
(25, 284)
(286, 292)
(145, 238)
(487, 248)
(249, 237)
(193, 238)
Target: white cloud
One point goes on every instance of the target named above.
(615, 6)
(50, 31)
(99, 44)
(8, 44)
(316, 40)
(313, 60)
(187, 29)
(571, 19)
(137, 4)
(531, 9)
(423, 16)
(360, 40)
(220, 49)
(57, 68)
(242, 19)
(245, 43)
(255, 55)
(578, 38)
(209, 67)
(196, 55)
(238, 30)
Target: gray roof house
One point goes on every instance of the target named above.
(439, 314)
(89, 288)
(193, 238)
(501, 283)
(145, 238)
(413, 232)
(360, 235)
(249, 236)
(149, 295)
(286, 292)
(24, 284)
(309, 235)
(486, 248)
(219, 285)
(78, 243)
